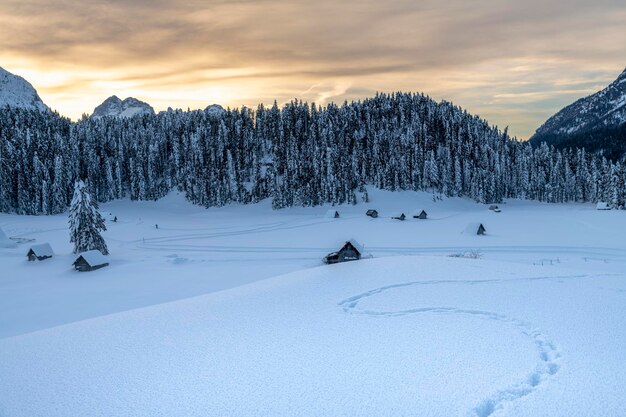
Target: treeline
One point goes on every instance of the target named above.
(299, 154)
(610, 141)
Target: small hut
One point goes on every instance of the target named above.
(40, 252)
(350, 251)
(493, 207)
(372, 213)
(602, 205)
(422, 215)
(331, 214)
(5, 242)
(475, 229)
(90, 261)
(398, 216)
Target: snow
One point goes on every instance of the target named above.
(93, 257)
(5, 242)
(603, 206)
(472, 229)
(43, 249)
(331, 214)
(115, 107)
(605, 108)
(15, 91)
(214, 110)
(418, 212)
(229, 311)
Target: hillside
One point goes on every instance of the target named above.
(16, 92)
(595, 122)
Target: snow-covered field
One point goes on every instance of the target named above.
(230, 312)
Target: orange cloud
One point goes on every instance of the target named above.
(513, 63)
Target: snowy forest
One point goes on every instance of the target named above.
(299, 154)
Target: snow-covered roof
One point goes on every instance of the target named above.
(360, 248)
(603, 206)
(472, 228)
(93, 257)
(330, 214)
(5, 242)
(418, 212)
(43, 249)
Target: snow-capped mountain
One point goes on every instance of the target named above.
(15, 91)
(214, 110)
(115, 107)
(606, 108)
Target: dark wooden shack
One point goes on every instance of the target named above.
(90, 261)
(40, 252)
(399, 216)
(422, 215)
(475, 229)
(372, 213)
(350, 251)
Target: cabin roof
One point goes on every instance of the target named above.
(602, 205)
(472, 228)
(331, 213)
(43, 249)
(418, 212)
(360, 248)
(93, 257)
(357, 246)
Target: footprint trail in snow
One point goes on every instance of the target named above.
(549, 355)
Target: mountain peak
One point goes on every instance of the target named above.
(115, 107)
(606, 108)
(15, 91)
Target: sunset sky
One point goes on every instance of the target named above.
(514, 63)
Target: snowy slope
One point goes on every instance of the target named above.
(534, 328)
(605, 108)
(195, 250)
(115, 107)
(396, 336)
(15, 91)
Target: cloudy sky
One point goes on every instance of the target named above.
(512, 62)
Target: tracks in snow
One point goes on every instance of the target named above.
(549, 354)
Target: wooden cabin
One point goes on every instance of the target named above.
(40, 252)
(350, 251)
(331, 214)
(372, 213)
(493, 207)
(475, 229)
(90, 261)
(399, 216)
(422, 215)
(603, 206)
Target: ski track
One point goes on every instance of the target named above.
(549, 354)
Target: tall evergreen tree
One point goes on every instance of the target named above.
(86, 223)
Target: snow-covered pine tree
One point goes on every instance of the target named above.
(86, 223)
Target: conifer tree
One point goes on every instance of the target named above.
(86, 223)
